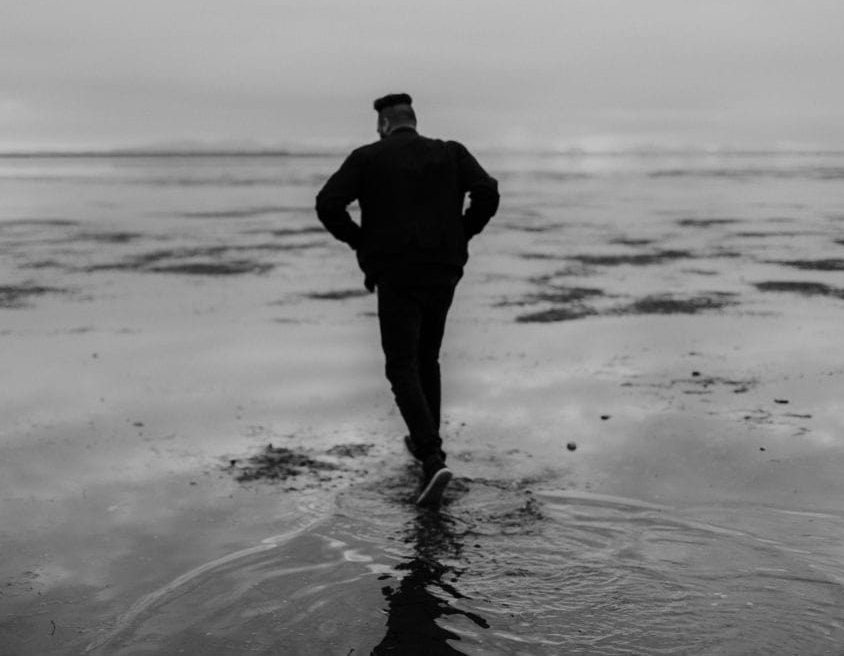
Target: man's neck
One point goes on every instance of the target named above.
(402, 128)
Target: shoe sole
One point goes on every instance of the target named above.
(433, 492)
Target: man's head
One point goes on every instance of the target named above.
(394, 111)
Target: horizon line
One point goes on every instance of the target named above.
(573, 151)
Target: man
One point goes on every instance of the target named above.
(411, 245)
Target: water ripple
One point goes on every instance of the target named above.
(502, 569)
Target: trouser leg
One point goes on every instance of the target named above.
(432, 328)
(400, 316)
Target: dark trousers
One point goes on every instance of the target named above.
(412, 320)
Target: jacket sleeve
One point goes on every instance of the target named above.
(342, 188)
(482, 189)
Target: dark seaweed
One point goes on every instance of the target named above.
(276, 464)
(157, 262)
(556, 314)
(670, 304)
(231, 268)
(16, 296)
(244, 212)
(337, 294)
(640, 259)
(557, 295)
(800, 287)
(350, 450)
(108, 237)
(704, 223)
(830, 264)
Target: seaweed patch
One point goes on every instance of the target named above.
(230, 268)
(244, 212)
(350, 450)
(705, 223)
(337, 294)
(557, 295)
(277, 464)
(634, 259)
(671, 304)
(829, 264)
(556, 314)
(50, 223)
(184, 261)
(108, 237)
(800, 287)
(17, 296)
(630, 241)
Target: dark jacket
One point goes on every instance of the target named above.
(411, 191)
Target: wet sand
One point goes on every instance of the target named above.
(199, 452)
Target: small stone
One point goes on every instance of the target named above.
(604, 417)
(695, 374)
(781, 401)
(571, 446)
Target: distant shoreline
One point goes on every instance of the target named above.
(572, 153)
(156, 153)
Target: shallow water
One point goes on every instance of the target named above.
(506, 567)
(676, 319)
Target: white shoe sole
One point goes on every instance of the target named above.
(433, 492)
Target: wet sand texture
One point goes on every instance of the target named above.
(642, 377)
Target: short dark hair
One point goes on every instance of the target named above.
(399, 115)
(391, 100)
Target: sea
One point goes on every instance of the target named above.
(642, 406)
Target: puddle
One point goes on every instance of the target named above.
(504, 568)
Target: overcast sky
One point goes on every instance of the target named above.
(553, 73)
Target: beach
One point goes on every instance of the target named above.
(642, 381)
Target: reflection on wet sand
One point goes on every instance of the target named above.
(164, 321)
(413, 605)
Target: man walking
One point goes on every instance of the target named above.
(411, 245)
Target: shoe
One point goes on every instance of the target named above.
(411, 447)
(437, 477)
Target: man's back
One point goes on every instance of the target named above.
(411, 190)
(411, 187)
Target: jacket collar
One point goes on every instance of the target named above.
(402, 129)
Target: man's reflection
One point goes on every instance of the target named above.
(412, 629)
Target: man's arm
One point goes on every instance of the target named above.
(482, 189)
(341, 189)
